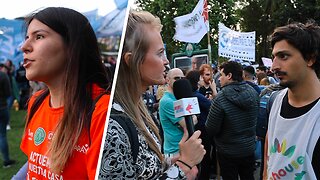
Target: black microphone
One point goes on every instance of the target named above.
(186, 105)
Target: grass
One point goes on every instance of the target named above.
(17, 121)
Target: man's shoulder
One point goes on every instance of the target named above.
(250, 86)
(220, 96)
(240, 88)
(167, 96)
(166, 100)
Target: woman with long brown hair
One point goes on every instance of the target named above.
(65, 121)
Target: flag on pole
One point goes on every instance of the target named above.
(205, 14)
(202, 8)
(192, 27)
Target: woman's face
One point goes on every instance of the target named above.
(153, 67)
(44, 53)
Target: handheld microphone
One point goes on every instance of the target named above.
(186, 105)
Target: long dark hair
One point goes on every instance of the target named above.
(82, 69)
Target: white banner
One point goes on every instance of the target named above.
(192, 27)
(236, 45)
(267, 61)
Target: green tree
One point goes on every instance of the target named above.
(263, 16)
(254, 18)
(219, 11)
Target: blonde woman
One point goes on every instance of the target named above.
(143, 64)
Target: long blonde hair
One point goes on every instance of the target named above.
(128, 89)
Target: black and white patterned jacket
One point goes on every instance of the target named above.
(118, 162)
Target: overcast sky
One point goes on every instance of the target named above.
(16, 8)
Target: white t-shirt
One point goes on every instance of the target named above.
(291, 142)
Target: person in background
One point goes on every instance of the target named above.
(35, 86)
(232, 122)
(216, 75)
(162, 87)
(149, 99)
(110, 65)
(5, 92)
(207, 85)
(260, 76)
(194, 63)
(23, 86)
(249, 77)
(14, 94)
(11, 70)
(264, 70)
(265, 82)
(264, 109)
(65, 121)
(208, 164)
(292, 141)
(142, 64)
(160, 92)
(172, 126)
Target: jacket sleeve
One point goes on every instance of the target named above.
(214, 119)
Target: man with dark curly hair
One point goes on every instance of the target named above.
(292, 142)
(232, 123)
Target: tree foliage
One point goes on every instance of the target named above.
(261, 16)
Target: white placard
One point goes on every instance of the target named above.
(267, 61)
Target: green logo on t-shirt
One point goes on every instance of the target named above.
(39, 136)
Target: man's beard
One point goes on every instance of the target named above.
(288, 84)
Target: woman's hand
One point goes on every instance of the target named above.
(191, 150)
(195, 119)
(193, 173)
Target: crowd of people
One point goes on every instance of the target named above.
(228, 117)
(236, 112)
(233, 118)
